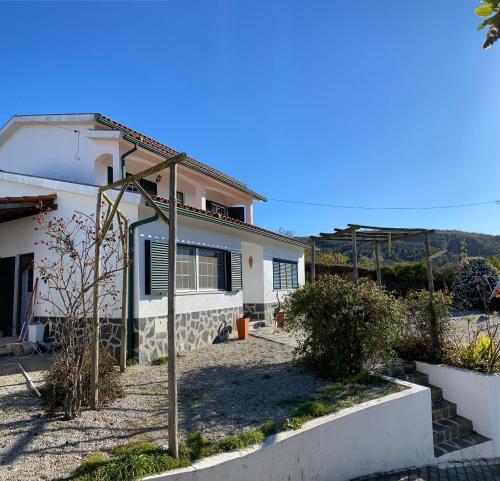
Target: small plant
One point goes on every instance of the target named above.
(477, 349)
(160, 361)
(266, 375)
(343, 327)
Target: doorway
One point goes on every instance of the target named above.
(7, 276)
(25, 288)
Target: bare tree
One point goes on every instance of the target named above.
(67, 272)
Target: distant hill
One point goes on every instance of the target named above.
(412, 250)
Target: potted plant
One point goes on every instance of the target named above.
(243, 326)
(279, 315)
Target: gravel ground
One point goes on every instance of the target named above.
(223, 389)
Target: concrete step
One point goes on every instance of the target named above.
(416, 378)
(446, 430)
(443, 409)
(436, 393)
(458, 444)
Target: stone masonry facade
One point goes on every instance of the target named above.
(194, 329)
(110, 332)
(262, 311)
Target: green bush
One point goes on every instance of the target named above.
(342, 326)
(405, 276)
(426, 327)
(473, 283)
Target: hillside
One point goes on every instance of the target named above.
(412, 250)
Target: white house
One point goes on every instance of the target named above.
(225, 264)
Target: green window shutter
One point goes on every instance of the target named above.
(276, 275)
(156, 267)
(236, 271)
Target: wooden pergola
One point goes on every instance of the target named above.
(355, 233)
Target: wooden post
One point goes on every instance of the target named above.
(94, 376)
(435, 337)
(173, 445)
(313, 259)
(354, 259)
(430, 278)
(377, 259)
(123, 332)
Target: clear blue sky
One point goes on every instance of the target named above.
(376, 103)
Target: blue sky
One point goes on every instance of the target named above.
(374, 103)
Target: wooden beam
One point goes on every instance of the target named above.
(430, 277)
(173, 443)
(94, 375)
(171, 161)
(355, 259)
(123, 224)
(151, 202)
(313, 259)
(110, 216)
(377, 259)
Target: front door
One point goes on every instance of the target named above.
(7, 270)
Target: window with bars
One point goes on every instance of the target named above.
(285, 274)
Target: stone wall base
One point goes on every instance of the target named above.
(262, 311)
(194, 329)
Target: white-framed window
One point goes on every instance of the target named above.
(285, 274)
(200, 269)
(186, 268)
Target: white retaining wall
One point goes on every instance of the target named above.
(390, 433)
(476, 395)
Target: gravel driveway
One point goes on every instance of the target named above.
(223, 388)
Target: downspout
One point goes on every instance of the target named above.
(130, 317)
(122, 161)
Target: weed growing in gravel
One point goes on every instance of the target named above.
(266, 375)
(161, 361)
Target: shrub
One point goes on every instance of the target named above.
(474, 283)
(59, 382)
(426, 327)
(476, 348)
(342, 326)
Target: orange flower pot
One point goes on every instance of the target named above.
(243, 326)
(280, 319)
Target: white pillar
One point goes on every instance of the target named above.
(117, 168)
(249, 212)
(201, 198)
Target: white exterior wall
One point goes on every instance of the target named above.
(476, 395)
(191, 232)
(19, 236)
(376, 436)
(49, 151)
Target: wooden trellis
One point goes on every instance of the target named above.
(101, 231)
(355, 233)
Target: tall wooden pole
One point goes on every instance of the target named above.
(123, 331)
(313, 259)
(173, 445)
(430, 278)
(355, 259)
(377, 259)
(94, 376)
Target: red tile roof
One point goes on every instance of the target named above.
(192, 163)
(186, 209)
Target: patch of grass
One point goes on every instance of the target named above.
(161, 361)
(266, 375)
(136, 460)
(132, 362)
